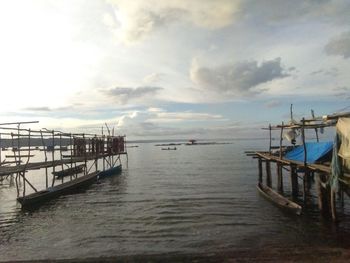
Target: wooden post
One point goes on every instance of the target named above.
(19, 144)
(61, 156)
(333, 205)
(24, 172)
(85, 157)
(281, 140)
(53, 158)
(270, 138)
(95, 149)
(305, 188)
(306, 172)
(294, 181)
(103, 153)
(71, 155)
(0, 148)
(279, 177)
(260, 171)
(316, 131)
(320, 194)
(44, 148)
(279, 166)
(268, 174)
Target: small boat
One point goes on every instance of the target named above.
(279, 200)
(111, 171)
(169, 149)
(55, 191)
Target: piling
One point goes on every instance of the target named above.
(279, 178)
(260, 171)
(294, 180)
(268, 174)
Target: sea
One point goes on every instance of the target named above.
(193, 204)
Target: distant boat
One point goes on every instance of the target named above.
(279, 200)
(111, 171)
(169, 149)
(55, 191)
(192, 142)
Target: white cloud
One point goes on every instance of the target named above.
(159, 122)
(184, 116)
(153, 109)
(139, 18)
(152, 78)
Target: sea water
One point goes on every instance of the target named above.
(197, 200)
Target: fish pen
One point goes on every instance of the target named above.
(325, 164)
(44, 164)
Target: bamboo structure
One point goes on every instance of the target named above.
(68, 156)
(326, 196)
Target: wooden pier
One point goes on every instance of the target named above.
(298, 175)
(62, 161)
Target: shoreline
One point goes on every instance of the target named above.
(275, 254)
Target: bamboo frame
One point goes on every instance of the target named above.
(23, 142)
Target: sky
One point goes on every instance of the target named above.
(172, 69)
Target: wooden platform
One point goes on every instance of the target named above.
(7, 170)
(313, 167)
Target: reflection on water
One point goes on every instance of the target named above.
(196, 200)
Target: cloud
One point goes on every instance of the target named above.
(184, 116)
(339, 46)
(45, 109)
(139, 18)
(152, 78)
(331, 72)
(273, 104)
(342, 92)
(316, 72)
(153, 109)
(125, 94)
(238, 79)
(275, 11)
(160, 122)
(48, 109)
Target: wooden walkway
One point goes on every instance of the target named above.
(8, 170)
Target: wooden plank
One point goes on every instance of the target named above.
(19, 156)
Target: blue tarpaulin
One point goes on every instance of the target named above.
(314, 152)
